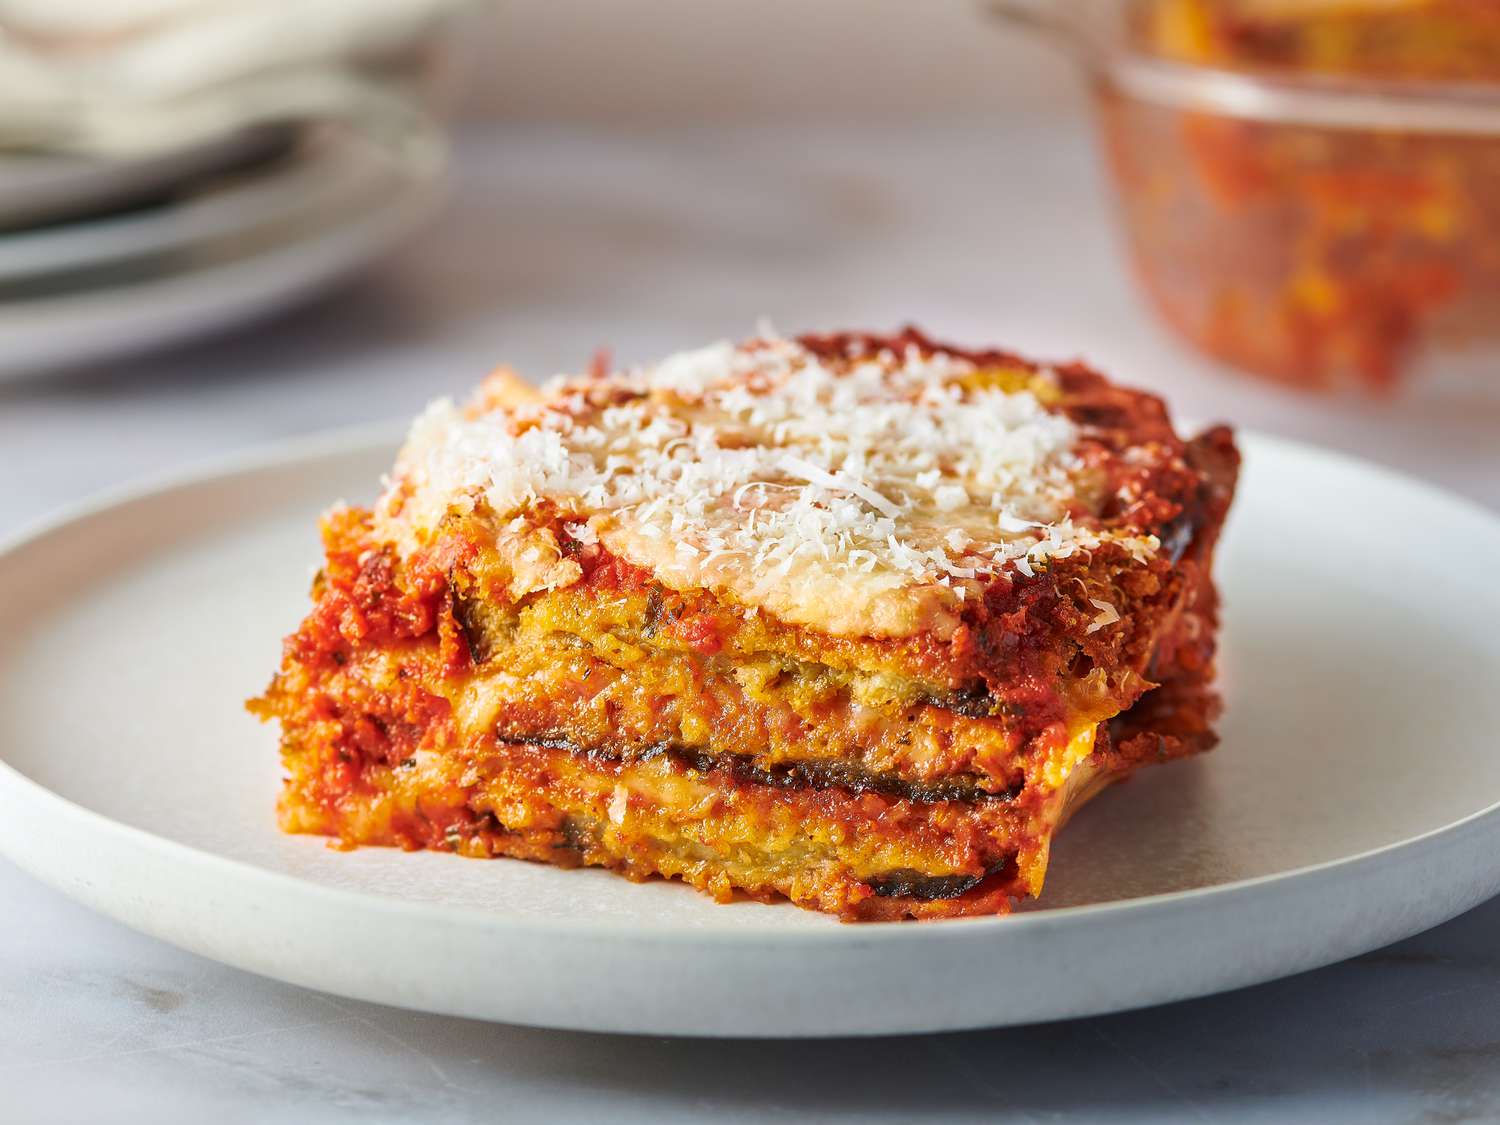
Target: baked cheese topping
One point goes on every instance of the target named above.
(864, 495)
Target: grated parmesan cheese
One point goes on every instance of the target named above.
(1107, 615)
(775, 473)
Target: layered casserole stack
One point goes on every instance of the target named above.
(852, 620)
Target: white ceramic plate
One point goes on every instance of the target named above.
(44, 187)
(74, 294)
(330, 169)
(1352, 803)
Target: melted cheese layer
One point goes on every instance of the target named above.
(869, 495)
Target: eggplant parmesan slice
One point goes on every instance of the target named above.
(850, 620)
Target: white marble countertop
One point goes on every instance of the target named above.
(557, 242)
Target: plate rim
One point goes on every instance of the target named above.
(241, 205)
(188, 299)
(368, 439)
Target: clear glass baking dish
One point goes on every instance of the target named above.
(1320, 224)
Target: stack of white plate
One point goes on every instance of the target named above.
(101, 258)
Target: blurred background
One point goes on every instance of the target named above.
(228, 221)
